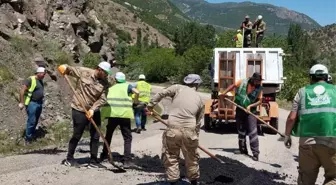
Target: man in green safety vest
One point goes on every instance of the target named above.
(239, 39)
(31, 97)
(119, 111)
(248, 95)
(144, 89)
(312, 118)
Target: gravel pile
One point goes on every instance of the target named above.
(212, 172)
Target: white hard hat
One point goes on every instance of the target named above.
(238, 30)
(106, 67)
(192, 78)
(142, 77)
(247, 17)
(40, 70)
(318, 69)
(259, 17)
(120, 77)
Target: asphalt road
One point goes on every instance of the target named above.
(277, 163)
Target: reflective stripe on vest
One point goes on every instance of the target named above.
(144, 91)
(119, 103)
(31, 89)
(317, 113)
(239, 41)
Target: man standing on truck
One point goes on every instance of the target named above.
(248, 95)
(260, 26)
(312, 119)
(239, 39)
(247, 29)
(187, 110)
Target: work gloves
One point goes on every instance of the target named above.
(62, 68)
(89, 114)
(288, 141)
(21, 106)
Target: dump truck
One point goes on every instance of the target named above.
(232, 64)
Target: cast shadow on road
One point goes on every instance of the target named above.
(48, 151)
(212, 172)
(233, 150)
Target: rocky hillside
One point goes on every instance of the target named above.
(59, 31)
(230, 15)
(326, 38)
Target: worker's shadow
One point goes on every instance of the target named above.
(212, 172)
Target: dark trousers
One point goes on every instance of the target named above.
(80, 121)
(259, 39)
(125, 127)
(247, 126)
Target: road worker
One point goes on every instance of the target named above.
(31, 98)
(239, 39)
(140, 115)
(260, 27)
(248, 94)
(184, 123)
(312, 118)
(119, 112)
(247, 31)
(92, 88)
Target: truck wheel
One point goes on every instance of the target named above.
(274, 123)
(207, 122)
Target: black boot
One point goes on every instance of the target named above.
(138, 130)
(255, 157)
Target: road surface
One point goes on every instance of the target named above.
(276, 164)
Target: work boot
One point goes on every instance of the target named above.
(255, 157)
(144, 129)
(94, 163)
(138, 130)
(242, 152)
(70, 163)
(103, 157)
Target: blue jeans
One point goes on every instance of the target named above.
(140, 117)
(34, 111)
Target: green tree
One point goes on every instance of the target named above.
(191, 34)
(225, 39)
(122, 51)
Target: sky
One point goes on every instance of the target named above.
(322, 11)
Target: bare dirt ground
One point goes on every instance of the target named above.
(276, 165)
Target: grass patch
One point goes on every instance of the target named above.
(91, 60)
(57, 135)
(52, 50)
(284, 104)
(5, 74)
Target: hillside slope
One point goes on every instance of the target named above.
(161, 14)
(62, 31)
(230, 15)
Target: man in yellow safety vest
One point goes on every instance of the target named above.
(239, 39)
(119, 111)
(31, 97)
(144, 89)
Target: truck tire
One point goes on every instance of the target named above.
(207, 122)
(274, 123)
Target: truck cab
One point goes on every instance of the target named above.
(232, 64)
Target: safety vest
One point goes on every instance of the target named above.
(317, 111)
(239, 41)
(119, 103)
(242, 98)
(28, 95)
(144, 91)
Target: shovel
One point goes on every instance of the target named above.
(157, 116)
(262, 121)
(120, 168)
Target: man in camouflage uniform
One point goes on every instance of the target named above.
(260, 27)
(92, 88)
(247, 29)
(186, 112)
